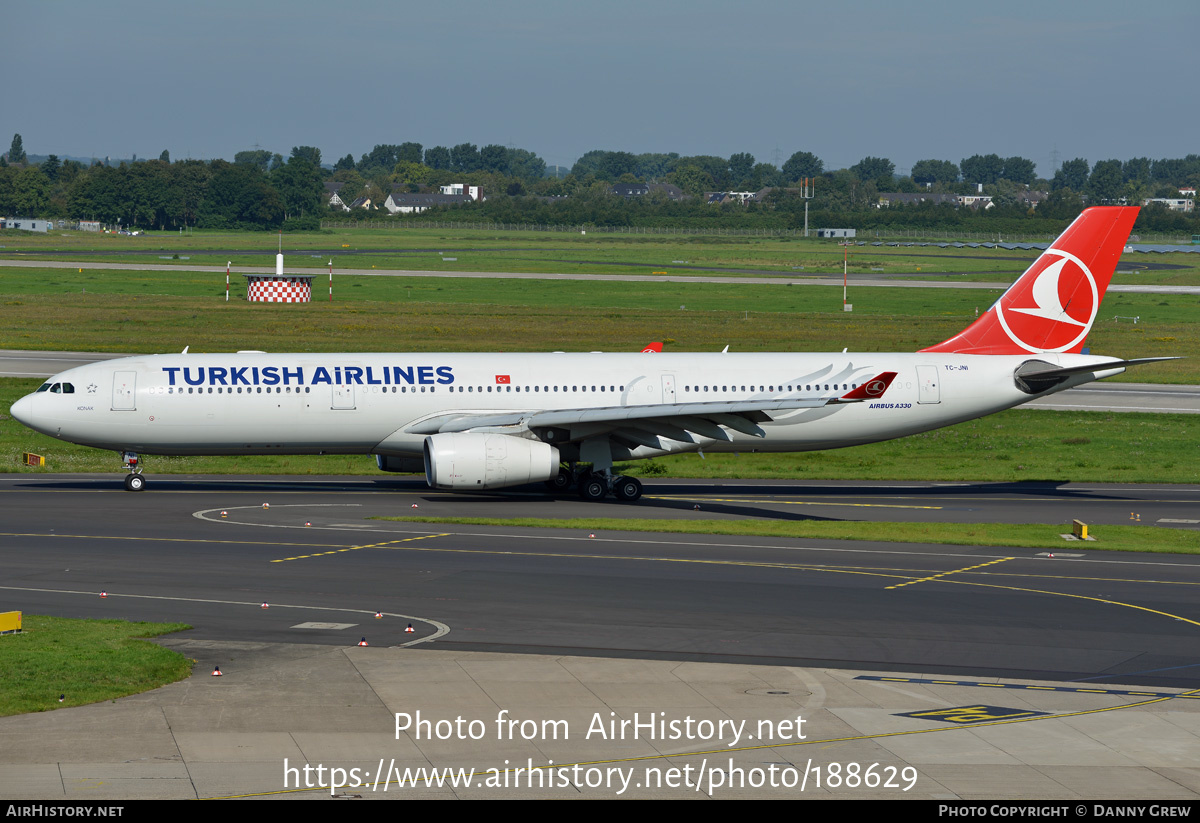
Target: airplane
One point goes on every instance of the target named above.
(474, 422)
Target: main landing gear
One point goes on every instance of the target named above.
(134, 482)
(597, 485)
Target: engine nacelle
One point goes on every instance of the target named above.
(486, 461)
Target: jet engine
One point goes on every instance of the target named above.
(463, 460)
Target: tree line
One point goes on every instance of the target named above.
(261, 189)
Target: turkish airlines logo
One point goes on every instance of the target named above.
(876, 387)
(1052, 306)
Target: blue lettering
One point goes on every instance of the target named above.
(353, 375)
(337, 374)
(322, 376)
(399, 372)
(170, 370)
(297, 373)
(254, 371)
(270, 375)
(425, 374)
(445, 374)
(372, 381)
(187, 376)
(237, 374)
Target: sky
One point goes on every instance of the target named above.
(904, 80)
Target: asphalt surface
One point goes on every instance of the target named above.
(952, 672)
(170, 554)
(796, 279)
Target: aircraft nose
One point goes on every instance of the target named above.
(22, 410)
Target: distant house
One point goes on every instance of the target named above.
(474, 192)
(405, 202)
(1188, 191)
(1032, 197)
(716, 198)
(1183, 204)
(362, 203)
(845, 233)
(332, 198)
(975, 201)
(892, 198)
(643, 189)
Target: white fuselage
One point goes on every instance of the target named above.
(256, 403)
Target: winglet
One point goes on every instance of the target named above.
(870, 390)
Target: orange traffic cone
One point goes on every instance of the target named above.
(103, 593)
(217, 672)
(410, 629)
(363, 642)
(378, 615)
(264, 605)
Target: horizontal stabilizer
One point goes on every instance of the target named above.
(1111, 364)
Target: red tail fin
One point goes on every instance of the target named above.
(1052, 305)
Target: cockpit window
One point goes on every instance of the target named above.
(44, 387)
(68, 388)
(56, 388)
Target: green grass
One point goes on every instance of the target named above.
(137, 311)
(1035, 535)
(85, 660)
(418, 247)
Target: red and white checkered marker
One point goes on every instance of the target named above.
(264, 605)
(410, 629)
(591, 535)
(378, 615)
(103, 593)
(307, 523)
(266, 505)
(224, 514)
(414, 505)
(279, 289)
(363, 642)
(217, 672)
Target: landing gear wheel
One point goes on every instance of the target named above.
(134, 482)
(593, 487)
(561, 481)
(627, 489)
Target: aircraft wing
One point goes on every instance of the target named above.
(645, 424)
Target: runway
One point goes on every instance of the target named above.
(1104, 396)
(775, 280)
(206, 551)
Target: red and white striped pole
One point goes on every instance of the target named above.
(227, 265)
(331, 280)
